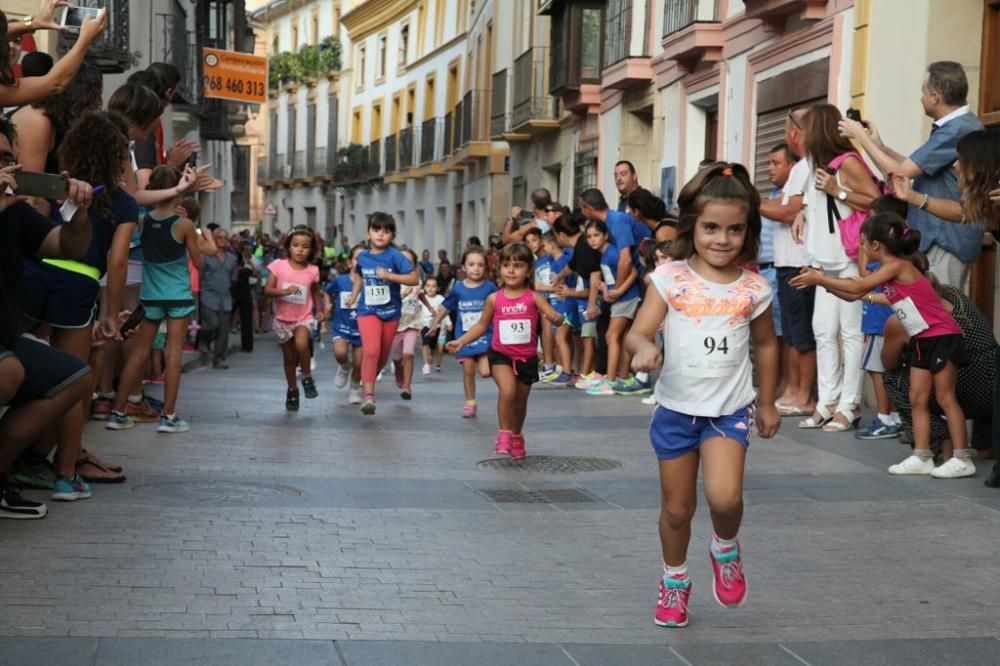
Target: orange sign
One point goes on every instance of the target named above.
(240, 77)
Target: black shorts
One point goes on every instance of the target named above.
(58, 297)
(796, 311)
(934, 353)
(429, 340)
(47, 370)
(525, 371)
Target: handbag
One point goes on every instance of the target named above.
(849, 228)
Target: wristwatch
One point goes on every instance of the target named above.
(842, 195)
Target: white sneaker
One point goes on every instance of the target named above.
(312, 364)
(343, 374)
(354, 395)
(954, 468)
(426, 370)
(913, 466)
(649, 400)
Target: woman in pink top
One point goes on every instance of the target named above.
(294, 284)
(513, 355)
(935, 349)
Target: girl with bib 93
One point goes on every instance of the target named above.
(512, 312)
(379, 272)
(710, 308)
(935, 349)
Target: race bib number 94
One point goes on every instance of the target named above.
(715, 356)
(376, 294)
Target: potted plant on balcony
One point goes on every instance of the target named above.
(352, 164)
(329, 52)
(279, 70)
(308, 61)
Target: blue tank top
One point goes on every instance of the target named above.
(166, 279)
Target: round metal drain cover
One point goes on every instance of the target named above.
(218, 491)
(552, 464)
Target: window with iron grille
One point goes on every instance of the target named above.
(584, 172)
(559, 50)
(618, 27)
(241, 168)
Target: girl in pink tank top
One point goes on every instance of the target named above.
(513, 315)
(935, 347)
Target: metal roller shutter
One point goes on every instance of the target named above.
(771, 132)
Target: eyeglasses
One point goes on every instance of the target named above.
(7, 159)
(791, 118)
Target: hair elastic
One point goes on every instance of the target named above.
(728, 171)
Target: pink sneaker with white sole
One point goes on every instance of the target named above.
(469, 410)
(672, 607)
(730, 588)
(517, 451)
(504, 441)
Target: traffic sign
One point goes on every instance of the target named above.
(239, 77)
(271, 209)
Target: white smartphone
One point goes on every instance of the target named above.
(72, 17)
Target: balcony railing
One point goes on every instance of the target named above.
(318, 164)
(531, 98)
(618, 31)
(299, 165)
(405, 148)
(449, 141)
(679, 14)
(456, 136)
(428, 140)
(473, 116)
(111, 53)
(391, 156)
(498, 105)
(262, 173)
(375, 159)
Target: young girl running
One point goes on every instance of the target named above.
(468, 298)
(344, 326)
(381, 270)
(622, 292)
(294, 284)
(513, 355)
(935, 347)
(167, 241)
(404, 345)
(430, 349)
(711, 308)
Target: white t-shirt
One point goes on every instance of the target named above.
(824, 247)
(436, 300)
(788, 253)
(706, 368)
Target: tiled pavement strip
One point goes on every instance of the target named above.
(338, 539)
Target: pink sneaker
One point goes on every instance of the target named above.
(730, 588)
(469, 410)
(672, 607)
(517, 451)
(503, 443)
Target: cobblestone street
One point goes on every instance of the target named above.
(325, 537)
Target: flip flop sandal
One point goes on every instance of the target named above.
(95, 473)
(791, 410)
(88, 455)
(814, 424)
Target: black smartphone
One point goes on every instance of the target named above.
(44, 185)
(133, 321)
(527, 215)
(854, 115)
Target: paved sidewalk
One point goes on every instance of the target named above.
(333, 538)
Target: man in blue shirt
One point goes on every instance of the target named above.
(950, 247)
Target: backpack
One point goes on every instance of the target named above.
(849, 227)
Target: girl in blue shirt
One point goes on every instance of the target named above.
(379, 272)
(467, 298)
(622, 292)
(344, 326)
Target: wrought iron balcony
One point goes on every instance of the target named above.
(679, 14)
(391, 156)
(533, 110)
(111, 53)
(498, 105)
(473, 117)
(447, 131)
(456, 135)
(319, 164)
(280, 168)
(299, 165)
(429, 133)
(618, 31)
(262, 173)
(405, 148)
(176, 44)
(691, 32)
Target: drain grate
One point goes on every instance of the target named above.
(212, 492)
(551, 464)
(551, 496)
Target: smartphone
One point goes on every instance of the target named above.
(527, 215)
(44, 185)
(854, 115)
(72, 17)
(133, 321)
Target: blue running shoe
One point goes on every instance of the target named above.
(119, 421)
(70, 490)
(879, 430)
(174, 424)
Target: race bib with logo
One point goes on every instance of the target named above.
(299, 297)
(470, 319)
(910, 317)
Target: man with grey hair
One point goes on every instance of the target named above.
(950, 247)
(217, 277)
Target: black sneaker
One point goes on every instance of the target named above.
(292, 400)
(13, 506)
(310, 387)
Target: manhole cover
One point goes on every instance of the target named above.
(218, 491)
(552, 464)
(551, 496)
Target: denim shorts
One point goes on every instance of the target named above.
(47, 370)
(796, 311)
(674, 434)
